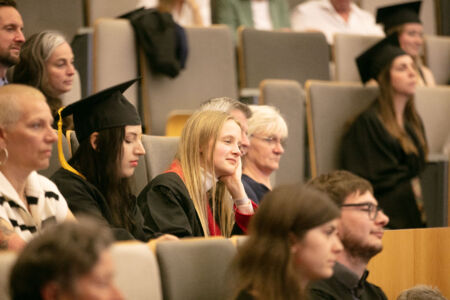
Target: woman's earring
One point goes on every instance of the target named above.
(3, 161)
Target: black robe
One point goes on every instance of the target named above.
(85, 199)
(371, 152)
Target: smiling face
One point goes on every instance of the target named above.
(29, 141)
(60, 70)
(11, 36)
(403, 75)
(315, 254)
(360, 235)
(226, 152)
(132, 148)
(411, 38)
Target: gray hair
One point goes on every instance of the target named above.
(421, 292)
(226, 104)
(266, 119)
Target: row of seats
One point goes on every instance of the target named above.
(324, 107)
(199, 269)
(210, 68)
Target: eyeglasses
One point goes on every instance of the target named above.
(370, 208)
(271, 140)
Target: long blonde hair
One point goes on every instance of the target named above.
(195, 153)
(387, 115)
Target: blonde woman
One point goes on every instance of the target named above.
(267, 131)
(201, 194)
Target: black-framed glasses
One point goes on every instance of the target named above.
(271, 140)
(370, 208)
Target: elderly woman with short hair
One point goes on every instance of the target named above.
(29, 202)
(267, 131)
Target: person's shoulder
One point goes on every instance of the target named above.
(358, 10)
(376, 290)
(42, 181)
(310, 6)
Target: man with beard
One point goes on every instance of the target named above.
(360, 230)
(11, 37)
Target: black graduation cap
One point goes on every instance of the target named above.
(396, 15)
(105, 109)
(373, 60)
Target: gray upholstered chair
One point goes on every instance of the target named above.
(346, 48)
(195, 269)
(433, 105)
(115, 58)
(329, 106)
(96, 9)
(160, 151)
(54, 158)
(209, 72)
(7, 259)
(281, 55)
(137, 272)
(288, 97)
(437, 57)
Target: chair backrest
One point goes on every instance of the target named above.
(160, 151)
(195, 269)
(329, 106)
(176, 120)
(7, 259)
(288, 97)
(137, 272)
(433, 105)
(427, 11)
(65, 16)
(281, 55)
(75, 93)
(346, 48)
(54, 158)
(209, 72)
(96, 9)
(437, 57)
(115, 58)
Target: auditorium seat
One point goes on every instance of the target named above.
(160, 151)
(176, 120)
(115, 56)
(96, 9)
(288, 97)
(329, 105)
(195, 269)
(437, 58)
(281, 55)
(209, 73)
(137, 272)
(346, 48)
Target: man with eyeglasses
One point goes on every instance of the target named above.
(361, 230)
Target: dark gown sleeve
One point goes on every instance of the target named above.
(85, 199)
(167, 207)
(369, 151)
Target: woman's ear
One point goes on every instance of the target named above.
(51, 291)
(293, 242)
(93, 140)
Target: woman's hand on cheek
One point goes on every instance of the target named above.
(233, 182)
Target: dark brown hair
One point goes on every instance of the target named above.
(264, 264)
(338, 185)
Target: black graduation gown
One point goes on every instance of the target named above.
(371, 152)
(167, 207)
(85, 199)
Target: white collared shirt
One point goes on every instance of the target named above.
(321, 15)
